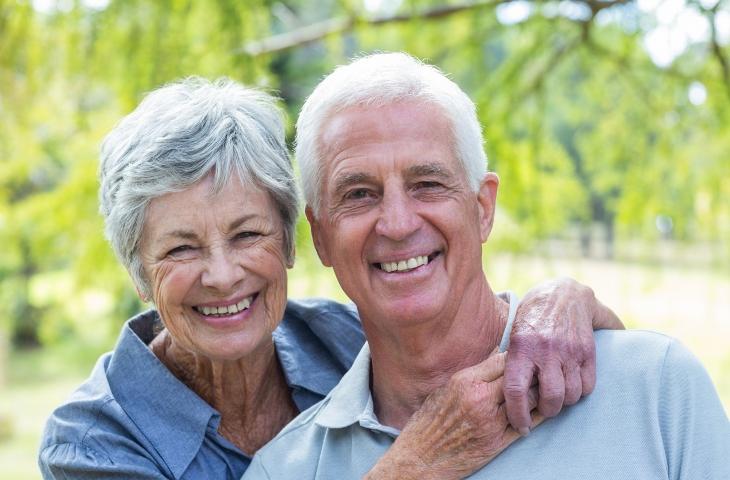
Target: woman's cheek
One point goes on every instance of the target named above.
(273, 262)
(170, 284)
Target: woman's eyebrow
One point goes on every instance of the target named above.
(241, 220)
(182, 234)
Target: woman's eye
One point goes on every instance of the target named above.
(247, 234)
(179, 250)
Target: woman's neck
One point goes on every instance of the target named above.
(250, 393)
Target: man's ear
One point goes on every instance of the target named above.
(320, 243)
(487, 198)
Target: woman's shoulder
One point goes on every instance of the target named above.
(333, 325)
(311, 310)
(71, 436)
(102, 423)
(316, 342)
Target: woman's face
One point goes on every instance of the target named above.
(216, 267)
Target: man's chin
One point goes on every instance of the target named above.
(411, 311)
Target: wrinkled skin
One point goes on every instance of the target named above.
(552, 342)
(460, 428)
(467, 423)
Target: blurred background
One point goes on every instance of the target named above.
(608, 122)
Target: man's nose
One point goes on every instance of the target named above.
(398, 217)
(223, 270)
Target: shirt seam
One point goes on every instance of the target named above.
(85, 436)
(661, 397)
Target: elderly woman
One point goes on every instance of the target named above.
(200, 205)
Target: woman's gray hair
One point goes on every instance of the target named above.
(176, 136)
(375, 81)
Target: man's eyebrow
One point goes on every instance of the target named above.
(342, 182)
(429, 170)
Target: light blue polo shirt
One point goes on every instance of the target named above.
(654, 414)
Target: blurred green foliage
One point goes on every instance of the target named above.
(582, 125)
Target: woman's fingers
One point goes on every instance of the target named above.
(552, 389)
(573, 383)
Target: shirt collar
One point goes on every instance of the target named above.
(150, 394)
(351, 401)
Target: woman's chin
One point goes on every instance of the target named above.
(237, 346)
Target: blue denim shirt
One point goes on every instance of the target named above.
(133, 419)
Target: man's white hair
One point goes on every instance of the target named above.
(375, 81)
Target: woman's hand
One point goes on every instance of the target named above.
(458, 429)
(552, 342)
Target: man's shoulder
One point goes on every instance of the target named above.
(649, 362)
(637, 348)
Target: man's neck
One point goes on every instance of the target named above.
(407, 365)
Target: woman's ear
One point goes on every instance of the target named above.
(141, 295)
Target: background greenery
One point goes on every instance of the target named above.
(607, 120)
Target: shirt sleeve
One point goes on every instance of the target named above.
(694, 427)
(74, 461)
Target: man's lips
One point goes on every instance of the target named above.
(406, 264)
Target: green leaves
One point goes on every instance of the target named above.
(581, 126)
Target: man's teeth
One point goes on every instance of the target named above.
(404, 265)
(226, 310)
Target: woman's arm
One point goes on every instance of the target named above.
(460, 428)
(550, 362)
(552, 342)
(70, 460)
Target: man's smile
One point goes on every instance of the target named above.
(406, 264)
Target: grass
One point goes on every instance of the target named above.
(690, 304)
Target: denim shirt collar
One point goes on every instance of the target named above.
(152, 396)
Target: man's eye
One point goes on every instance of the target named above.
(358, 194)
(427, 185)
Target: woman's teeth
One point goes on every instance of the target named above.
(226, 310)
(404, 265)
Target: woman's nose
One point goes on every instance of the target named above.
(223, 270)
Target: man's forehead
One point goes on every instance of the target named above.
(361, 123)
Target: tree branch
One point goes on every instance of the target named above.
(320, 30)
(717, 50)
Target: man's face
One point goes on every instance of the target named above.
(399, 223)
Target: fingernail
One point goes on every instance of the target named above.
(524, 431)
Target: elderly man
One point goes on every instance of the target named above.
(400, 203)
